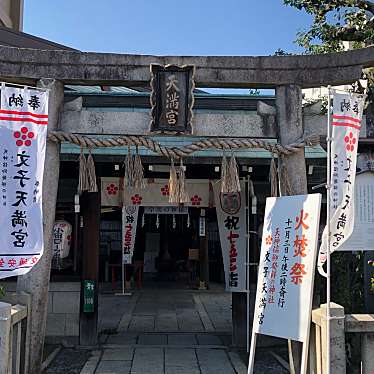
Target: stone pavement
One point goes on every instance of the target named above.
(172, 353)
(155, 310)
(169, 332)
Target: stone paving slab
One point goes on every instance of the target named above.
(181, 361)
(214, 361)
(120, 354)
(206, 321)
(126, 338)
(153, 339)
(205, 339)
(142, 323)
(226, 340)
(166, 322)
(124, 322)
(189, 321)
(132, 339)
(114, 367)
(148, 361)
(239, 365)
(182, 339)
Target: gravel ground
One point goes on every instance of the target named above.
(68, 361)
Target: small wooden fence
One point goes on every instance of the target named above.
(340, 324)
(14, 334)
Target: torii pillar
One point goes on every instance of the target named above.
(290, 129)
(36, 282)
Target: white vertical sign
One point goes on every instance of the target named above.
(346, 125)
(23, 133)
(129, 225)
(287, 266)
(201, 226)
(362, 238)
(232, 231)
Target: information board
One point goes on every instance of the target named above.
(287, 266)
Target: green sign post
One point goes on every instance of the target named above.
(88, 296)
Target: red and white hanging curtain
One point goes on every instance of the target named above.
(156, 193)
(23, 134)
(346, 125)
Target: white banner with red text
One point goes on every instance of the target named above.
(23, 133)
(232, 227)
(129, 226)
(346, 125)
(287, 266)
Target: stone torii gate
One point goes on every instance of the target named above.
(52, 69)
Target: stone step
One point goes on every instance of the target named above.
(179, 346)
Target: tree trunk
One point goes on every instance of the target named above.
(36, 282)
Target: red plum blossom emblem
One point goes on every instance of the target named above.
(269, 240)
(24, 137)
(165, 190)
(136, 199)
(112, 189)
(196, 200)
(350, 142)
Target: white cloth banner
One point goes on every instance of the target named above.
(287, 266)
(23, 133)
(362, 238)
(129, 225)
(346, 125)
(232, 231)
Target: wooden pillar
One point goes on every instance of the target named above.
(290, 130)
(36, 282)
(239, 319)
(88, 332)
(203, 253)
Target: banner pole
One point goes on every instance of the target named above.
(328, 188)
(123, 274)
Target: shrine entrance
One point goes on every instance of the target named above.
(168, 251)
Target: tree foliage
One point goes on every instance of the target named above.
(335, 21)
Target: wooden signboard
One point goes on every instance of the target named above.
(193, 254)
(172, 98)
(286, 271)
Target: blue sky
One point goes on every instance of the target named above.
(165, 27)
